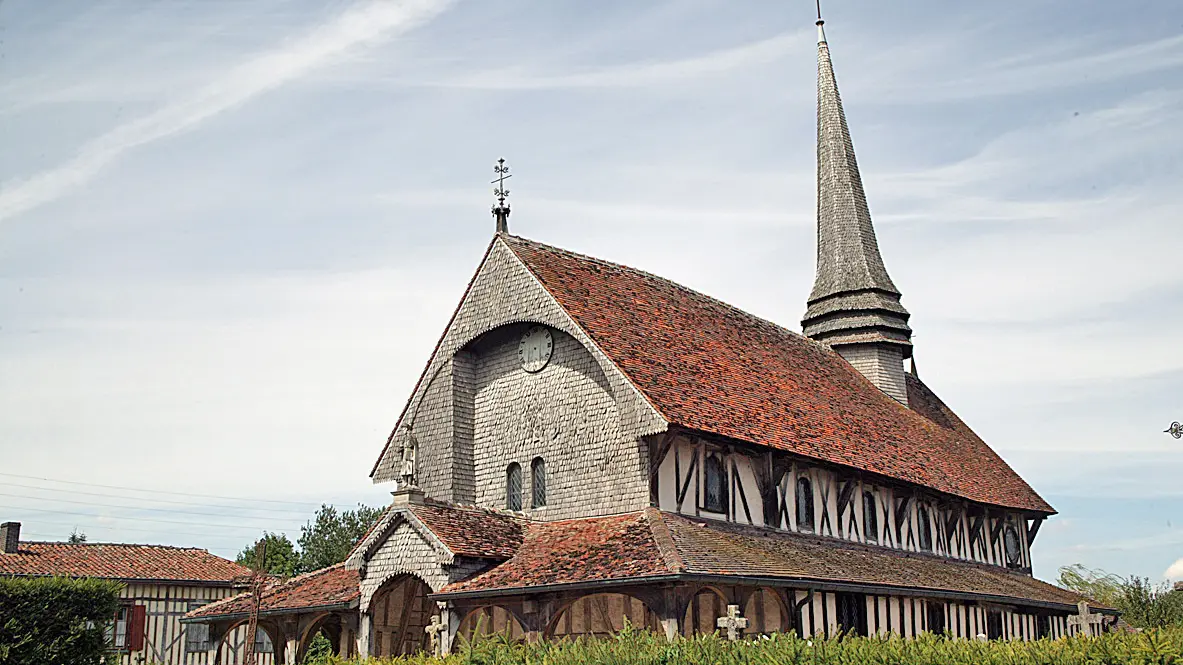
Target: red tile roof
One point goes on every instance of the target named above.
(707, 366)
(335, 586)
(655, 544)
(582, 550)
(120, 562)
(472, 532)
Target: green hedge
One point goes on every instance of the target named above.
(55, 620)
(1158, 647)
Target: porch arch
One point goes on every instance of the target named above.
(706, 605)
(232, 643)
(602, 615)
(767, 612)
(327, 623)
(399, 612)
(490, 620)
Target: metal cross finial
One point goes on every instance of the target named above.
(501, 210)
(819, 12)
(1175, 430)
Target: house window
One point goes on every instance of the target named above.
(513, 487)
(804, 504)
(538, 482)
(196, 634)
(117, 631)
(852, 614)
(936, 617)
(925, 529)
(126, 631)
(870, 517)
(715, 482)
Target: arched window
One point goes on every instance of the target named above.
(804, 504)
(538, 482)
(513, 487)
(870, 517)
(715, 482)
(925, 529)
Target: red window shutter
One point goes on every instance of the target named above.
(135, 628)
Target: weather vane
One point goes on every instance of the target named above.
(1175, 430)
(501, 210)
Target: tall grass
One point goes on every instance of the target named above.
(1154, 647)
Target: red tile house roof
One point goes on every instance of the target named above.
(653, 545)
(120, 562)
(710, 367)
(332, 587)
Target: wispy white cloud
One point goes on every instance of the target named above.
(633, 74)
(358, 26)
(1055, 67)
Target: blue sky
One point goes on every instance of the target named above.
(231, 232)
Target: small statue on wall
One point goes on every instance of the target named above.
(406, 465)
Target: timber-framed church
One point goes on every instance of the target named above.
(591, 445)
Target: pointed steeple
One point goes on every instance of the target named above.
(854, 307)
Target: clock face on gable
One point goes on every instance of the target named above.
(536, 348)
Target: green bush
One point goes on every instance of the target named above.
(55, 620)
(1154, 647)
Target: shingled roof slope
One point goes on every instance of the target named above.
(655, 544)
(708, 366)
(335, 586)
(120, 562)
(472, 532)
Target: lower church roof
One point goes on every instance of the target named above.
(332, 587)
(652, 546)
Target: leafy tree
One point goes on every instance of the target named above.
(55, 619)
(77, 537)
(331, 534)
(1105, 588)
(280, 559)
(1142, 604)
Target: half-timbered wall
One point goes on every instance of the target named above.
(762, 487)
(165, 636)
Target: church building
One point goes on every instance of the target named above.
(591, 446)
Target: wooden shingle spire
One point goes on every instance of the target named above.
(854, 307)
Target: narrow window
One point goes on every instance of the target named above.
(925, 529)
(870, 517)
(538, 481)
(936, 617)
(804, 504)
(716, 485)
(513, 487)
(852, 614)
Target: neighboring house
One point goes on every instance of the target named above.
(591, 446)
(161, 583)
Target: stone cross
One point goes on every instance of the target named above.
(1084, 620)
(435, 631)
(733, 622)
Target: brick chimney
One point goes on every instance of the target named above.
(10, 536)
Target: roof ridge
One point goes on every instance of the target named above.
(670, 282)
(182, 548)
